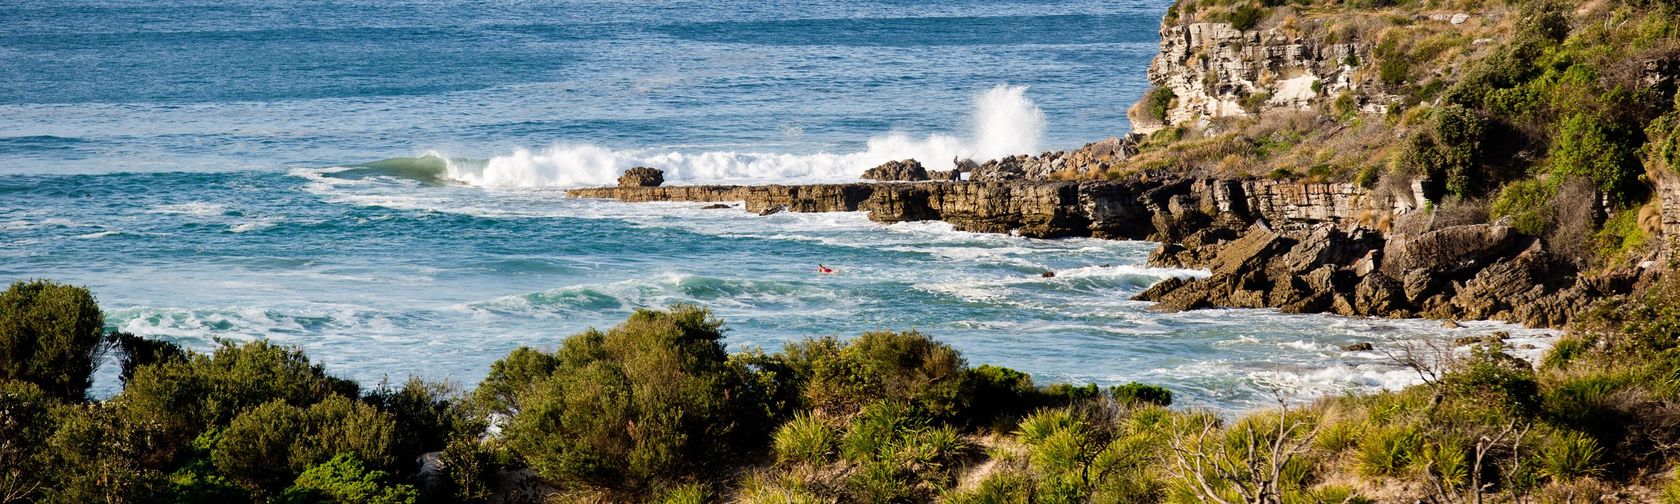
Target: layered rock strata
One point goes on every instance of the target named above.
(1298, 247)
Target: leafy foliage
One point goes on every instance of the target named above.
(51, 335)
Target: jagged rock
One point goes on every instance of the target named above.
(1001, 170)
(908, 170)
(1505, 283)
(1417, 284)
(1325, 244)
(641, 176)
(1161, 288)
(1379, 295)
(772, 210)
(1451, 324)
(1358, 347)
(1446, 251)
(1247, 252)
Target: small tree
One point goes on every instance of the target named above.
(51, 335)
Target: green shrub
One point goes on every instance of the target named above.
(652, 401)
(886, 366)
(1605, 152)
(1570, 456)
(804, 440)
(97, 457)
(512, 377)
(691, 493)
(344, 479)
(1489, 378)
(51, 335)
(468, 471)
(1246, 17)
(1528, 203)
(1393, 70)
(138, 351)
(1388, 451)
(26, 423)
(268, 446)
(426, 416)
(1135, 394)
(178, 400)
(1157, 102)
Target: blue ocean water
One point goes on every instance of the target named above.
(382, 183)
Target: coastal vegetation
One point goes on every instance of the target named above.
(1524, 109)
(655, 409)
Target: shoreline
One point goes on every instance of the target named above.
(1297, 247)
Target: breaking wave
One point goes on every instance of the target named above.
(1004, 122)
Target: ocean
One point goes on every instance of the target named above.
(381, 183)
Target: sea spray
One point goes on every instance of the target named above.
(1004, 122)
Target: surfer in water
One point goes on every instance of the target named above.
(824, 269)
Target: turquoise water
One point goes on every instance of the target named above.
(214, 170)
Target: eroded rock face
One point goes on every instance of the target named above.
(641, 176)
(1266, 245)
(1212, 68)
(1466, 272)
(1446, 250)
(908, 170)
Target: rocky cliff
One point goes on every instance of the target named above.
(1299, 247)
(1214, 70)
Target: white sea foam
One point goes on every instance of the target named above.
(194, 208)
(1004, 122)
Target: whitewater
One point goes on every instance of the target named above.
(382, 184)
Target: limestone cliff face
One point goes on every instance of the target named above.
(1215, 70)
(1665, 184)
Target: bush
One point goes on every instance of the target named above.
(178, 400)
(1388, 451)
(885, 366)
(512, 377)
(268, 446)
(1246, 17)
(1603, 151)
(426, 417)
(1136, 394)
(138, 351)
(651, 401)
(468, 471)
(51, 335)
(1529, 205)
(1570, 456)
(26, 423)
(344, 479)
(1157, 103)
(1492, 379)
(804, 440)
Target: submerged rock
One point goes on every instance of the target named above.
(1358, 347)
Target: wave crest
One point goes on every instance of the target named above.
(1004, 122)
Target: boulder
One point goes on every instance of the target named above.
(1001, 170)
(641, 176)
(1160, 289)
(908, 170)
(715, 206)
(1358, 347)
(1379, 296)
(1248, 252)
(1446, 251)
